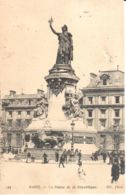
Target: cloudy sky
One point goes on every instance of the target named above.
(28, 47)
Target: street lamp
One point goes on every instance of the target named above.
(116, 138)
(72, 128)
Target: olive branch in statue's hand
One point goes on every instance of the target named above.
(50, 21)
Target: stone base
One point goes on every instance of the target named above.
(60, 76)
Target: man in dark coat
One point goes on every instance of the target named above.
(95, 156)
(115, 171)
(65, 156)
(80, 169)
(104, 157)
(62, 159)
(122, 165)
(45, 156)
(56, 156)
(79, 156)
(110, 158)
(28, 157)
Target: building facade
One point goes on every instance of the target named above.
(103, 107)
(18, 111)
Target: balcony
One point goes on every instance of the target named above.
(29, 117)
(19, 117)
(103, 117)
(9, 116)
(89, 117)
(116, 117)
(102, 105)
(20, 106)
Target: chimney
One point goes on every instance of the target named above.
(93, 79)
(40, 92)
(117, 67)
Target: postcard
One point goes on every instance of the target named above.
(62, 97)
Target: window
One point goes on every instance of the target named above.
(29, 102)
(89, 113)
(9, 138)
(117, 99)
(103, 112)
(10, 113)
(90, 100)
(21, 102)
(19, 112)
(18, 139)
(28, 121)
(103, 99)
(18, 121)
(10, 122)
(103, 122)
(28, 112)
(105, 78)
(12, 102)
(27, 138)
(90, 122)
(117, 113)
(104, 81)
(116, 122)
(89, 140)
(78, 139)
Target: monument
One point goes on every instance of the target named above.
(62, 77)
(61, 80)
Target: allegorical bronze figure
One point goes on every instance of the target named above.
(65, 49)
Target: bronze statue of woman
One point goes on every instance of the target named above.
(65, 49)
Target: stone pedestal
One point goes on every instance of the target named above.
(61, 78)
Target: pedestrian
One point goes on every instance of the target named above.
(56, 156)
(45, 157)
(104, 157)
(9, 149)
(81, 171)
(76, 152)
(95, 156)
(122, 166)
(28, 157)
(61, 160)
(115, 171)
(65, 156)
(79, 156)
(25, 148)
(110, 158)
(68, 155)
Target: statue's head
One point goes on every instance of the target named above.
(64, 28)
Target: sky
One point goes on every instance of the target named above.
(28, 48)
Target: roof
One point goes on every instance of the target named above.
(40, 124)
(111, 71)
(23, 96)
(103, 89)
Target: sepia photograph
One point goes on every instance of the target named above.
(62, 123)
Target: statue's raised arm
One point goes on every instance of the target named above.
(53, 30)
